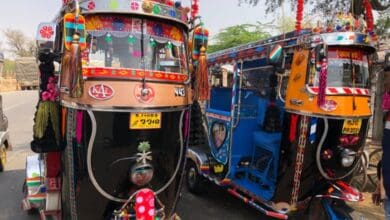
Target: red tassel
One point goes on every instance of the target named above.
(202, 77)
(323, 83)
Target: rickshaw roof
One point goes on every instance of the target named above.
(260, 49)
(135, 7)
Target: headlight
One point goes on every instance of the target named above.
(347, 157)
(141, 174)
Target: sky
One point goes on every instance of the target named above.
(25, 15)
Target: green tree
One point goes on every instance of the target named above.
(382, 25)
(323, 5)
(236, 35)
(19, 44)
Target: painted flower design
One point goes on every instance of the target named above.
(175, 34)
(46, 32)
(91, 5)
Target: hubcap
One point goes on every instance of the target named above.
(191, 176)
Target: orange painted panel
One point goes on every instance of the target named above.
(128, 95)
(298, 99)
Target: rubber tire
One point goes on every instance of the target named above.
(194, 179)
(2, 148)
(360, 177)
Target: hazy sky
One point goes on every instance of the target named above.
(217, 14)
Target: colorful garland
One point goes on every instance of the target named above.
(369, 16)
(194, 8)
(298, 24)
(323, 83)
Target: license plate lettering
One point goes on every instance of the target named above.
(145, 121)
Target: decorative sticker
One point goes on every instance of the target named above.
(144, 93)
(46, 32)
(101, 91)
(219, 132)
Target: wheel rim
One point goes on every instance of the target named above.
(3, 155)
(191, 177)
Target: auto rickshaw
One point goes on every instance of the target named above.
(111, 126)
(286, 122)
(5, 143)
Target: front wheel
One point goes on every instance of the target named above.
(193, 178)
(3, 157)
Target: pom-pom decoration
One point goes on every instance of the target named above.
(369, 16)
(298, 26)
(194, 8)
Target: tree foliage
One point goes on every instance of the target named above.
(18, 43)
(382, 25)
(236, 35)
(323, 5)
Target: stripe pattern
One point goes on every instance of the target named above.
(340, 91)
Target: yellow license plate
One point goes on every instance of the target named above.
(352, 126)
(145, 120)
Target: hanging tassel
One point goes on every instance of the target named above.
(76, 79)
(323, 83)
(298, 26)
(202, 77)
(79, 126)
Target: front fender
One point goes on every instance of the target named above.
(4, 139)
(199, 157)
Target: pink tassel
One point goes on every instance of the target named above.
(323, 83)
(79, 126)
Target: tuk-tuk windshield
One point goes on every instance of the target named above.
(346, 68)
(119, 45)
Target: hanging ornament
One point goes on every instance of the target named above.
(108, 38)
(202, 77)
(369, 16)
(131, 40)
(299, 17)
(323, 83)
(156, 9)
(194, 8)
(152, 43)
(178, 4)
(169, 45)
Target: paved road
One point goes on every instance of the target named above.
(214, 204)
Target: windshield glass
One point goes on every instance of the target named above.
(346, 68)
(116, 42)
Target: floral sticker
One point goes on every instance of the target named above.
(46, 32)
